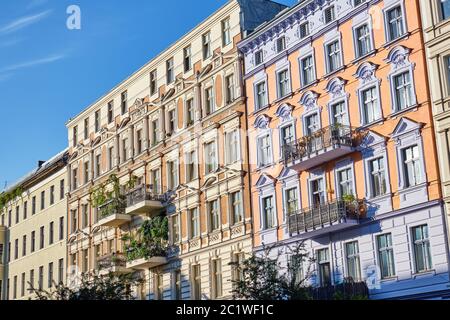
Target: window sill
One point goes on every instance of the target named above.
(400, 112)
(286, 96)
(264, 167)
(261, 109)
(330, 74)
(424, 273)
(359, 59)
(371, 124)
(389, 279)
(390, 43)
(309, 85)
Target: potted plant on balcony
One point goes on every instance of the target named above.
(355, 208)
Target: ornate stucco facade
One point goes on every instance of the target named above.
(344, 157)
(178, 127)
(33, 231)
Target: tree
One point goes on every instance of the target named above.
(92, 287)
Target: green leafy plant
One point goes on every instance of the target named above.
(7, 197)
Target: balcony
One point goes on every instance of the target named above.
(146, 263)
(146, 256)
(112, 214)
(322, 146)
(329, 217)
(112, 264)
(145, 199)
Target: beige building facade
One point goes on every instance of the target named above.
(32, 231)
(174, 136)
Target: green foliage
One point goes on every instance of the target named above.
(150, 241)
(92, 287)
(7, 197)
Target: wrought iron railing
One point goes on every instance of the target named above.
(319, 216)
(335, 135)
(111, 260)
(113, 206)
(146, 193)
(343, 291)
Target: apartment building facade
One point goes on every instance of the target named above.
(172, 136)
(343, 157)
(436, 28)
(33, 231)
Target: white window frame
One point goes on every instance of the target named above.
(359, 22)
(336, 91)
(228, 135)
(388, 5)
(346, 164)
(317, 175)
(366, 74)
(266, 97)
(336, 38)
(285, 68)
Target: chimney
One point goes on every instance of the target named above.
(40, 163)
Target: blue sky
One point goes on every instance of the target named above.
(49, 73)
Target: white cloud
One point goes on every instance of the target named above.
(36, 3)
(32, 63)
(24, 22)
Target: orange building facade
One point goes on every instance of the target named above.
(342, 145)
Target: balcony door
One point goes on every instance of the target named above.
(312, 126)
(317, 187)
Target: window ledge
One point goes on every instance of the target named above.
(395, 114)
(424, 273)
(389, 279)
(392, 42)
(286, 96)
(330, 74)
(368, 125)
(261, 109)
(369, 54)
(309, 85)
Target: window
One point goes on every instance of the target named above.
(296, 267)
(210, 157)
(268, 212)
(41, 238)
(33, 205)
(15, 288)
(236, 207)
(41, 278)
(213, 212)
(178, 289)
(281, 44)
(339, 113)
(42, 200)
(363, 42)
(345, 182)
(61, 189)
(238, 274)
(232, 146)
(139, 141)
(190, 112)
(110, 112)
(61, 228)
(169, 71)
(17, 214)
(403, 91)
(358, 2)
(60, 270)
(206, 41)
(191, 166)
(155, 177)
(9, 218)
(50, 275)
(86, 172)
(187, 58)
(124, 154)
(98, 162)
(386, 255)
(304, 30)
(97, 121)
(291, 201)
(264, 150)
(24, 246)
(395, 25)
(333, 51)
(377, 177)
(283, 83)
(85, 266)
(16, 249)
(411, 166)
(287, 135)
(124, 102)
(74, 216)
(445, 9)
(86, 128)
(22, 285)
(217, 277)
(421, 244)
(229, 83)
(176, 229)
(317, 192)
(33, 241)
(195, 223)
(32, 278)
(172, 118)
(75, 136)
(153, 82)
(209, 101)
(323, 260)
(196, 290)
(307, 70)
(371, 108)
(261, 95)
(155, 131)
(259, 57)
(52, 195)
(353, 262)
(329, 14)
(172, 174)
(110, 158)
(226, 34)
(159, 285)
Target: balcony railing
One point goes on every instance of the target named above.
(328, 217)
(145, 198)
(113, 206)
(343, 291)
(111, 261)
(321, 146)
